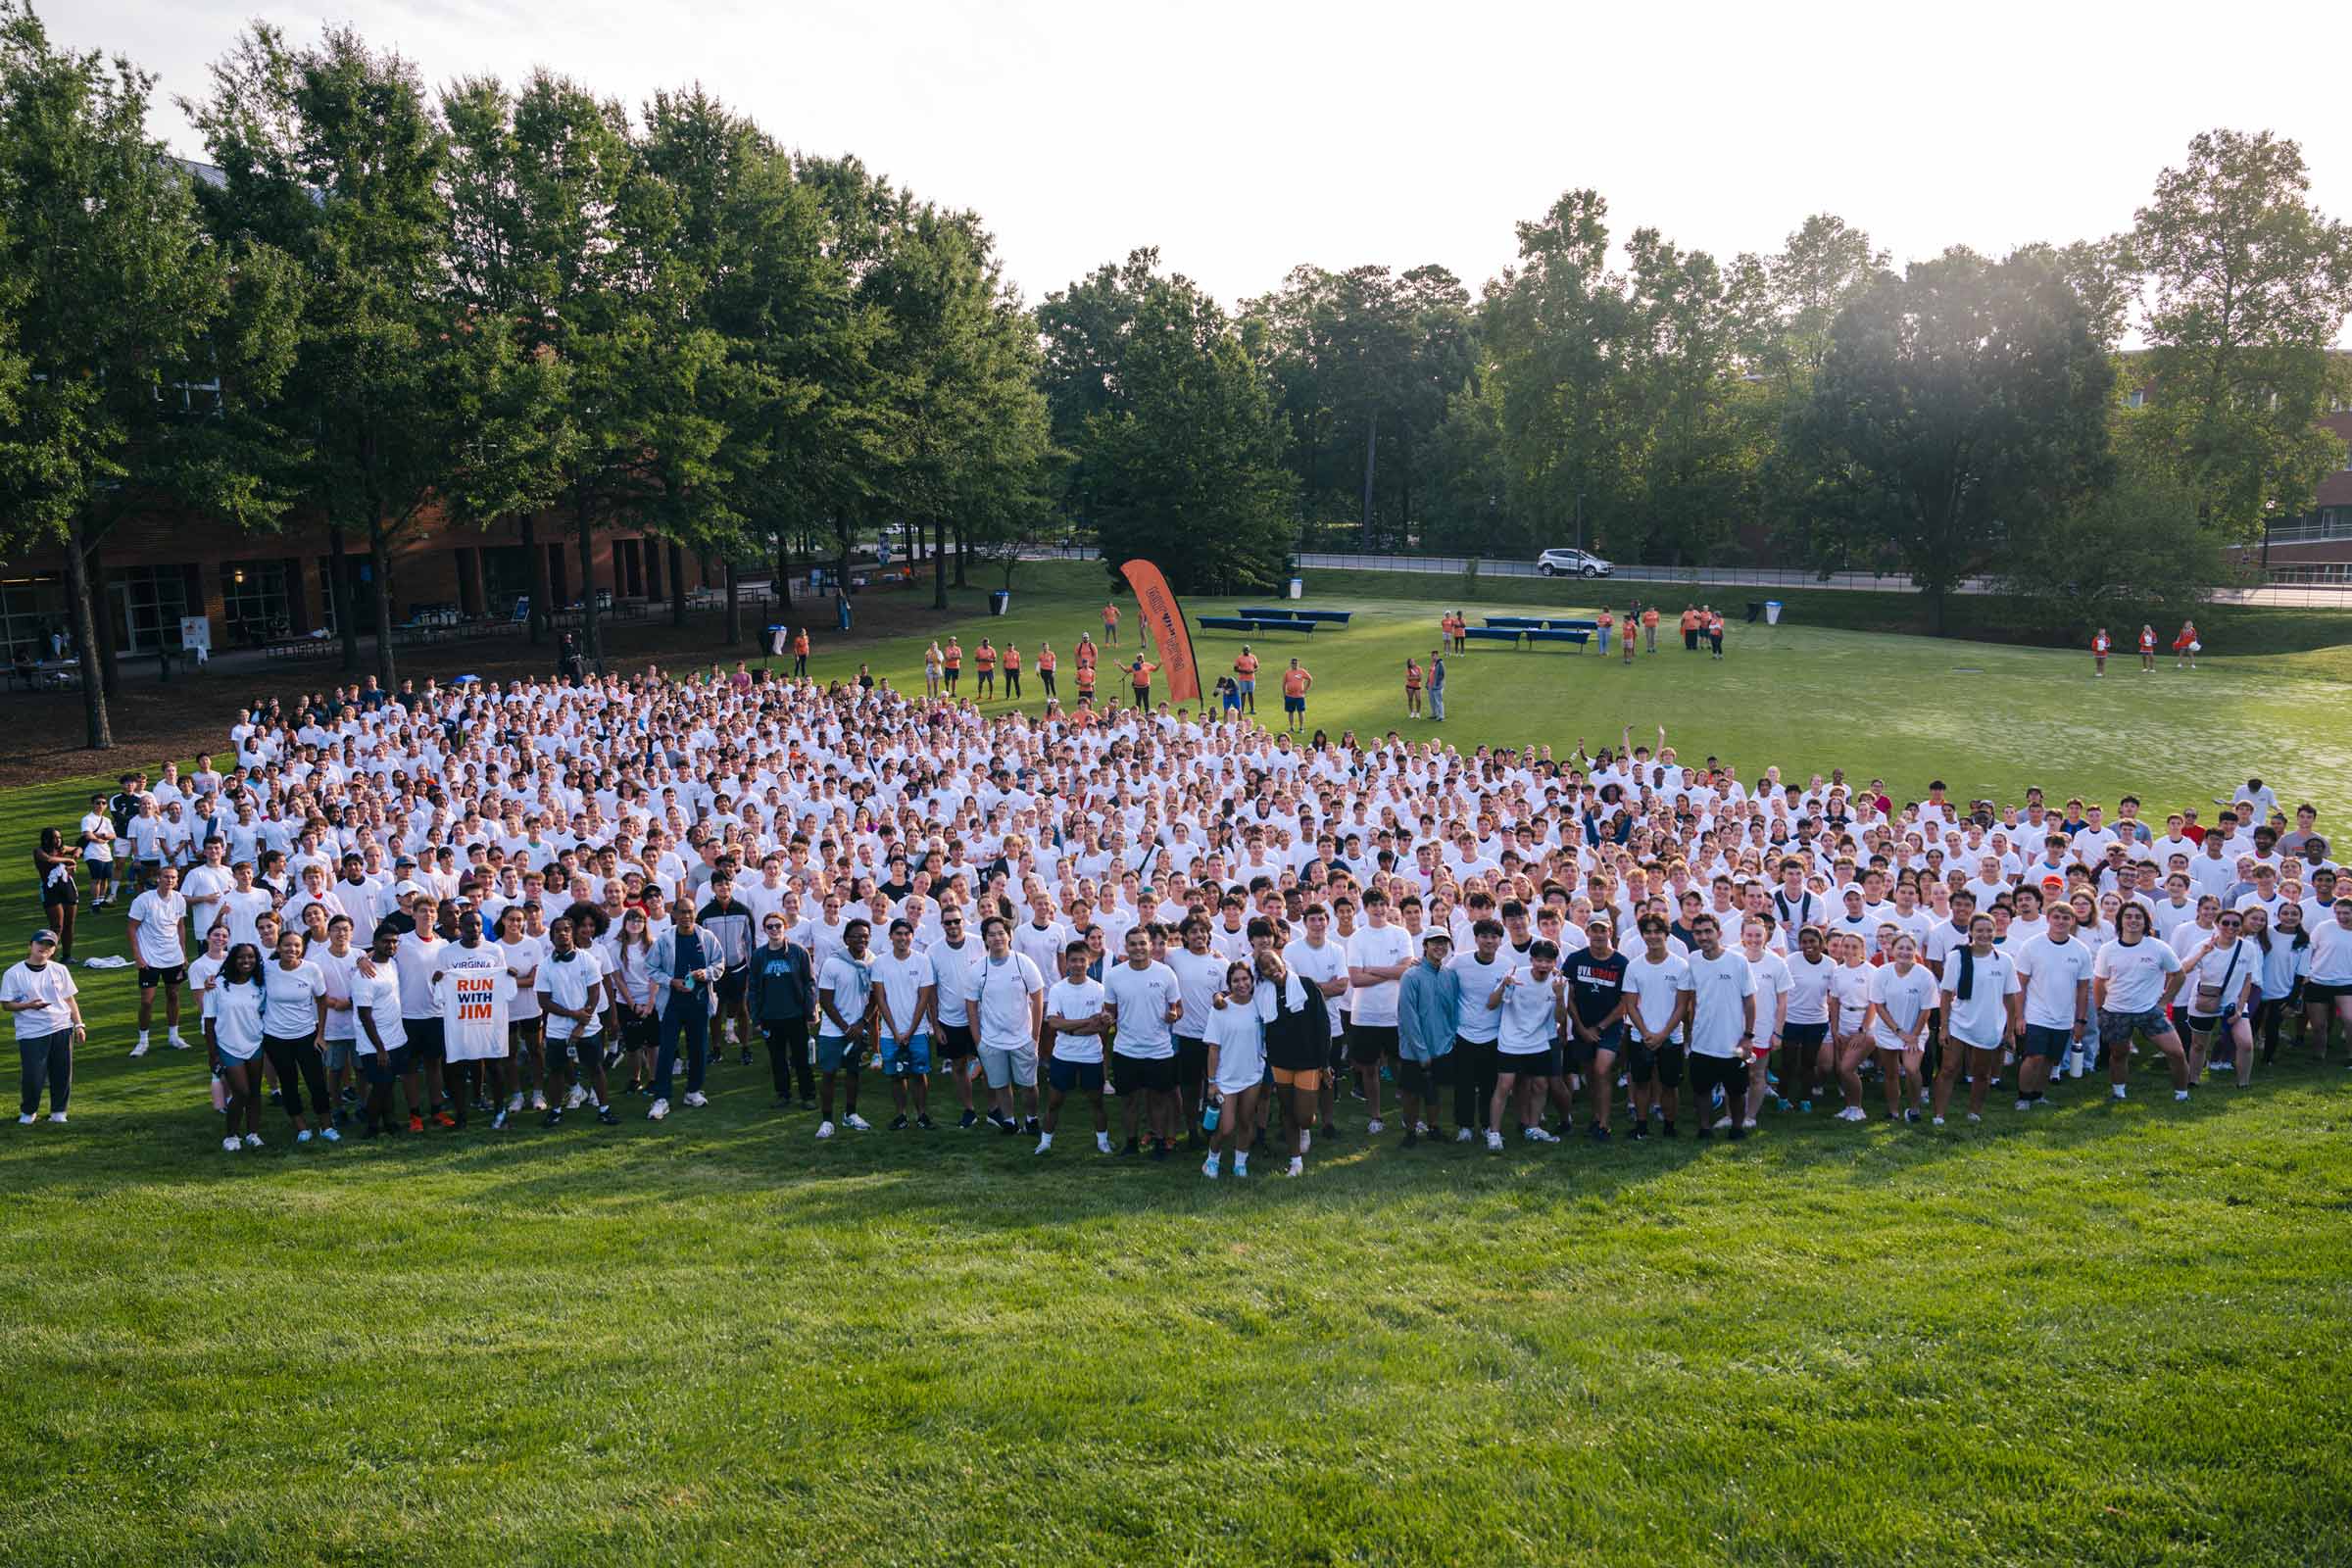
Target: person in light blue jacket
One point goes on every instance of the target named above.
(685, 965)
(1427, 1000)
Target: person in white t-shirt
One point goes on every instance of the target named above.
(906, 994)
(157, 947)
(1143, 999)
(1379, 955)
(2327, 986)
(1658, 980)
(2056, 969)
(293, 1022)
(378, 1042)
(1722, 1028)
(846, 1024)
(1902, 1001)
(1007, 997)
(2220, 976)
(573, 986)
(1237, 1052)
(1979, 995)
(234, 1031)
(44, 1001)
(1321, 962)
(1075, 1024)
(2133, 983)
(1532, 1004)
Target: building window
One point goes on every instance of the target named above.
(148, 603)
(255, 603)
(505, 578)
(2138, 397)
(31, 611)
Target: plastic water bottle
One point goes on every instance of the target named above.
(1211, 1113)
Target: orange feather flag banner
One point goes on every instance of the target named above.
(1165, 616)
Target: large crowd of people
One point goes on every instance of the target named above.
(405, 912)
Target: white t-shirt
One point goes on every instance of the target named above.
(379, 997)
(1849, 989)
(952, 968)
(294, 997)
(1656, 989)
(2135, 973)
(851, 983)
(339, 973)
(2330, 953)
(52, 984)
(1809, 989)
(1075, 1001)
(1142, 998)
(999, 994)
(1717, 1018)
(1901, 1000)
(1371, 948)
(160, 915)
(574, 982)
(1473, 1019)
(1198, 979)
(1321, 965)
(1981, 1017)
(1240, 1035)
(2051, 970)
(1527, 1018)
(524, 955)
(237, 1020)
(2227, 966)
(902, 981)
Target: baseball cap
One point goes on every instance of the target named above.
(45, 937)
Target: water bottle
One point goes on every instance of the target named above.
(1212, 1111)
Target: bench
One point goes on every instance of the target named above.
(1242, 623)
(1572, 626)
(1579, 638)
(1515, 622)
(1328, 617)
(1263, 613)
(1491, 634)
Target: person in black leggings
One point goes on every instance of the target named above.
(293, 1018)
(781, 1000)
(53, 863)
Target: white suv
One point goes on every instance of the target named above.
(1582, 562)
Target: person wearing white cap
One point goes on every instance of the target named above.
(41, 995)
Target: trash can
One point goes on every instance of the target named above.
(1298, 587)
(1772, 612)
(998, 599)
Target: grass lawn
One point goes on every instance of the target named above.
(2115, 1336)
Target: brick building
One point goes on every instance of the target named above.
(2317, 546)
(262, 588)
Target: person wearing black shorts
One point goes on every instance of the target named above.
(1597, 1019)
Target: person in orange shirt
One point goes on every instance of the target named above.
(1689, 629)
(1110, 623)
(2147, 649)
(1244, 673)
(1139, 676)
(1013, 673)
(1412, 687)
(1649, 627)
(985, 656)
(1085, 684)
(800, 654)
(1714, 620)
(954, 661)
(1294, 682)
(1604, 621)
(2100, 642)
(1086, 652)
(1045, 669)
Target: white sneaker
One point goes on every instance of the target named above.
(514, 1102)
(253, 1140)
(538, 1099)
(697, 1098)
(2025, 1105)
(60, 1116)
(1240, 1163)
(1973, 1118)
(825, 1129)
(1494, 1142)
(330, 1135)
(1102, 1143)
(139, 1050)
(1940, 1121)
(1376, 1126)
(1750, 1124)
(1420, 1129)
(1541, 1135)
(179, 1043)
(1209, 1167)
(303, 1137)
(2178, 1095)
(27, 1119)
(1465, 1136)
(2118, 1090)
(1722, 1124)
(577, 1098)
(660, 1110)
(1045, 1145)
(1297, 1166)
(856, 1123)
(229, 1146)
(1853, 1113)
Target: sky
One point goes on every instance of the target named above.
(1244, 139)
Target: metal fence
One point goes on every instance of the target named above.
(1695, 576)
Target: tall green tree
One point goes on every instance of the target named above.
(333, 154)
(2249, 287)
(572, 247)
(1961, 405)
(1186, 457)
(146, 350)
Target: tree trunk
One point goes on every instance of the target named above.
(1935, 606)
(540, 588)
(381, 559)
(1371, 447)
(734, 609)
(962, 552)
(102, 608)
(783, 571)
(939, 567)
(677, 585)
(338, 599)
(592, 634)
(85, 634)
